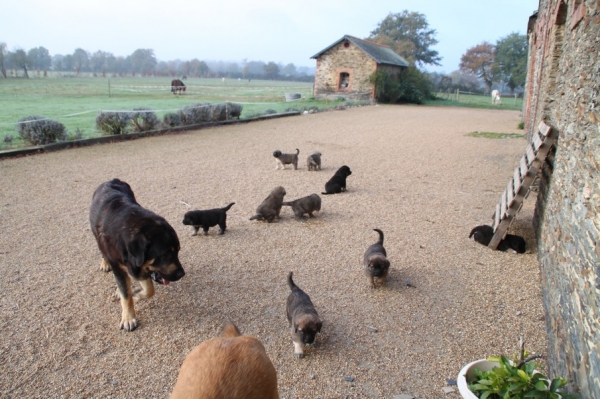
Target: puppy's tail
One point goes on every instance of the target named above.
(380, 236)
(230, 330)
(472, 232)
(228, 206)
(297, 151)
(289, 203)
(257, 217)
(325, 193)
(291, 282)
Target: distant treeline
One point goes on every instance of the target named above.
(141, 62)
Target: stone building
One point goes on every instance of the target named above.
(344, 67)
(563, 89)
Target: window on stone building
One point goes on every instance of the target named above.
(344, 81)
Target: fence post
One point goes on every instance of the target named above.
(457, 91)
(108, 88)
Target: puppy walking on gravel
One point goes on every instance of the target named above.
(308, 204)
(302, 317)
(337, 183)
(270, 208)
(207, 218)
(227, 367)
(376, 263)
(286, 159)
(313, 162)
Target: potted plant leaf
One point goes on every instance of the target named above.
(499, 377)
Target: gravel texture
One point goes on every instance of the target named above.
(416, 175)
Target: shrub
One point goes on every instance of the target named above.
(234, 110)
(144, 120)
(8, 139)
(269, 112)
(172, 119)
(38, 130)
(78, 135)
(408, 86)
(195, 113)
(521, 125)
(113, 123)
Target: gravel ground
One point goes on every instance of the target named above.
(416, 175)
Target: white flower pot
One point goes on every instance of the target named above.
(468, 373)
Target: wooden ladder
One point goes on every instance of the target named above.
(519, 185)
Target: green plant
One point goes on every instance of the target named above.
(521, 125)
(407, 86)
(113, 122)
(144, 120)
(38, 130)
(517, 379)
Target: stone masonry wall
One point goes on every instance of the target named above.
(351, 60)
(564, 90)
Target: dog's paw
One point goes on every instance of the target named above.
(299, 355)
(194, 233)
(104, 266)
(221, 232)
(128, 324)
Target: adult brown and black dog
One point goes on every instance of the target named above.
(270, 208)
(135, 243)
(303, 318)
(376, 263)
(337, 183)
(309, 204)
(227, 367)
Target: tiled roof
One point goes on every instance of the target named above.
(381, 54)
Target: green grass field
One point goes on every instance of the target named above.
(75, 102)
(476, 101)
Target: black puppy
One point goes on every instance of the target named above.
(303, 319)
(337, 183)
(207, 218)
(483, 234)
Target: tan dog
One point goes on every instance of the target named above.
(376, 263)
(313, 162)
(308, 204)
(283, 159)
(270, 208)
(228, 367)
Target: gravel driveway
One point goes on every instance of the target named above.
(416, 175)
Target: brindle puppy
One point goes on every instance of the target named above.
(313, 162)
(303, 319)
(270, 208)
(207, 218)
(308, 204)
(285, 159)
(337, 183)
(376, 263)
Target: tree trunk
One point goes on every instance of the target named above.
(4, 73)
(25, 70)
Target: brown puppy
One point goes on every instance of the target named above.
(285, 159)
(228, 367)
(302, 317)
(313, 162)
(308, 204)
(376, 263)
(271, 206)
(135, 243)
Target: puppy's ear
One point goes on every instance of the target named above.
(136, 250)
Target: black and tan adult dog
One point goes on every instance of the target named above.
(228, 367)
(337, 183)
(313, 162)
(207, 218)
(286, 159)
(376, 263)
(483, 234)
(303, 318)
(135, 244)
(270, 208)
(309, 204)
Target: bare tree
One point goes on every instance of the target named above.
(19, 59)
(2, 57)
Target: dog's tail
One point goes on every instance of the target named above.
(473, 231)
(289, 203)
(297, 151)
(380, 236)
(228, 206)
(230, 330)
(258, 216)
(325, 193)
(291, 282)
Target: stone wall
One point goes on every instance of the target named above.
(563, 89)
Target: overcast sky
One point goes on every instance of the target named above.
(282, 31)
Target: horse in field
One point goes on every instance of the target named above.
(177, 86)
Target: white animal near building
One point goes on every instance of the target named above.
(496, 99)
